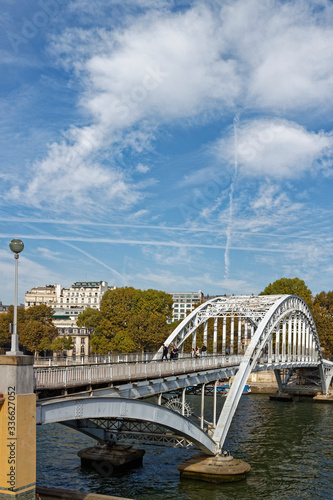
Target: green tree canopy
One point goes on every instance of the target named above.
(38, 328)
(325, 300)
(321, 307)
(131, 319)
(89, 318)
(62, 343)
(289, 286)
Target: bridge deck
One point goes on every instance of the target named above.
(90, 375)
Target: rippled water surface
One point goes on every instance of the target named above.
(288, 445)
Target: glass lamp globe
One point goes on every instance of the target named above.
(16, 246)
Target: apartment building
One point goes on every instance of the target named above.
(49, 295)
(68, 303)
(183, 303)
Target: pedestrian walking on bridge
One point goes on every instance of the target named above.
(165, 353)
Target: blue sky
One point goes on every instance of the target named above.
(180, 146)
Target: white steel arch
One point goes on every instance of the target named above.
(248, 308)
(281, 326)
(288, 332)
(69, 409)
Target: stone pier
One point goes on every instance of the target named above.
(17, 429)
(215, 469)
(109, 459)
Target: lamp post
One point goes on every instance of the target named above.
(16, 247)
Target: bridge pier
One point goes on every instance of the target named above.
(106, 459)
(214, 469)
(17, 429)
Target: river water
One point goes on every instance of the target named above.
(288, 445)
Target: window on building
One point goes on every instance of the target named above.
(74, 340)
(182, 315)
(82, 349)
(83, 340)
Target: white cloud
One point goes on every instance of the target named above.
(277, 148)
(143, 169)
(163, 67)
(46, 253)
(284, 51)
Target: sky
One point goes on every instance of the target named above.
(175, 145)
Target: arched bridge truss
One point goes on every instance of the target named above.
(280, 327)
(275, 332)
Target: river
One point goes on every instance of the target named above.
(288, 445)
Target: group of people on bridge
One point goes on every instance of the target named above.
(173, 352)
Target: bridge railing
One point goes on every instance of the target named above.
(96, 359)
(73, 376)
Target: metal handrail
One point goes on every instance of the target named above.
(71, 376)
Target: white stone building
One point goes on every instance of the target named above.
(68, 303)
(49, 295)
(183, 303)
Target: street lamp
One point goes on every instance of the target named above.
(16, 247)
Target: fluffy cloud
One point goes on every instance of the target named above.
(165, 66)
(276, 148)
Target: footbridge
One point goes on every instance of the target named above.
(246, 334)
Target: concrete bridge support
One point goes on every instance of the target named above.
(17, 429)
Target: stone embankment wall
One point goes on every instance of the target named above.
(263, 382)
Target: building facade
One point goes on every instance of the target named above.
(49, 295)
(68, 303)
(183, 303)
(3, 308)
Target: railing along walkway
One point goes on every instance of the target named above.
(73, 376)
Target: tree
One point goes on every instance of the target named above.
(4, 329)
(61, 344)
(99, 344)
(152, 301)
(289, 286)
(324, 323)
(122, 342)
(90, 318)
(8, 318)
(37, 327)
(130, 319)
(321, 307)
(148, 330)
(325, 300)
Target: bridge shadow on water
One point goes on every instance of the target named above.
(289, 446)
